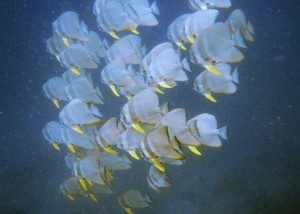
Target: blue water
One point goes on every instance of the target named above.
(256, 171)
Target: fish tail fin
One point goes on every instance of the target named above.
(223, 132)
(250, 28)
(185, 65)
(154, 8)
(147, 198)
(239, 40)
(235, 76)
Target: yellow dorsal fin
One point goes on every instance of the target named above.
(110, 150)
(66, 42)
(138, 128)
(72, 148)
(210, 97)
(135, 31)
(56, 146)
(194, 150)
(75, 71)
(159, 90)
(71, 197)
(114, 35)
(93, 197)
(158, 165)
(114, 90)
(82, 182)
(213, 70)
(134, 155)
(56, 103)
(77, 129)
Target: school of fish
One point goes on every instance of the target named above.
(145, 129)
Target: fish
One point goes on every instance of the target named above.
(55, 90)
(176, 32)
(84, 90)
(108, 135)
(77, 56)
(77, 113)
(141, 12)
(206, 4)
(133, 199)
(196, 23)
(156, 144)
(113, 18)
(176, 121)
(238, 24)
(215, 46)
(67, 26)
(208, 83)
(128, 49)
(115, 75)
(205, 129)
(52, 133)
(157, 179)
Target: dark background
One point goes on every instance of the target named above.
(256, 171)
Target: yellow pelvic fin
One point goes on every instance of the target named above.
(134, 155)
(129, 97)
(77, 129)
(56, 103)
(135, 31)
(165, 85)
(159, 90)
(182, 46)
(75, 71)
(158, 164)
(82, 182)
(57, 57)
(128, 211)
(114, 35)
(71, 197)
(156, 189)
(114, 90)
(72, 148)
(138, 128)
(56, 146)
(213, 70)
(192, 39)
(66, 42)
(93, 197)
(210, 97)
(110, 150)
(195, 150)
(109, 175)
(89, 182)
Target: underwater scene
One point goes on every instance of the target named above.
(149, 106)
